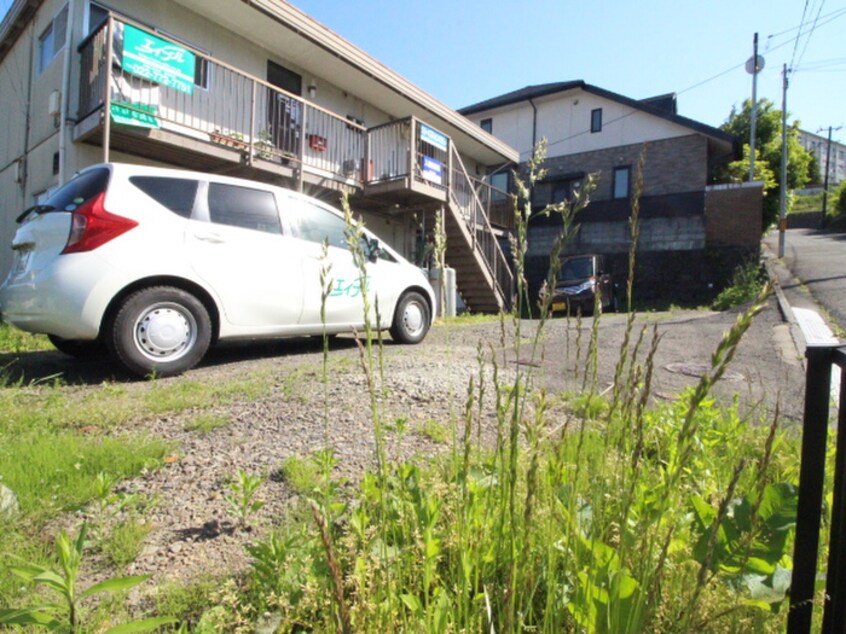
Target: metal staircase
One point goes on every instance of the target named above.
(411, 165)
(483, 276)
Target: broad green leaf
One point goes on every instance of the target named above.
(141, 626)
(412, 603)
(50, 578)
(27, 571)
(37, 615)
(778, 506)
(114, 585)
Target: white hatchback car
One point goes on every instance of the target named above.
(158, 264)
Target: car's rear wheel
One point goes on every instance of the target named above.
(161, 331)
(78, 348)
(411, 319)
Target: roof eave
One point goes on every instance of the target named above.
(15, 22)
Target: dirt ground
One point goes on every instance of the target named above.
(193, 534)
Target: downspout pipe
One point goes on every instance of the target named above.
(64, 108)
(534, 127)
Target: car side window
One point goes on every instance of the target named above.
(175, 194)
(243, 207)
(315, 224)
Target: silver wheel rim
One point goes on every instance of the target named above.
(413, 318)
(165, 332)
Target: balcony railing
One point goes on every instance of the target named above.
(497, 203)
(233, 109)
(408, 149)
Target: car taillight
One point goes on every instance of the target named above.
(92, 226)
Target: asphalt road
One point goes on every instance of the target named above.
(817, 261)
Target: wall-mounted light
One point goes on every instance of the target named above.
(312, 89)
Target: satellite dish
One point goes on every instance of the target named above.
(755, 64)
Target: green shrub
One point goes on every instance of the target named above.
(746, 283)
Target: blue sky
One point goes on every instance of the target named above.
(466, 51)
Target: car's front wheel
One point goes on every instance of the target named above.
(161, 331)
(411, 319)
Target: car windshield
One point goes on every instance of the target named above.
(576, 269)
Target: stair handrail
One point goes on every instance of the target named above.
(474, 210)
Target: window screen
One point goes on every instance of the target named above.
(177, 194)
(243, 207)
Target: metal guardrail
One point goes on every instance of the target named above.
(821, 360)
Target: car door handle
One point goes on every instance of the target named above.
(209, 236)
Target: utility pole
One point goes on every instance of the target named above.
(754, 66)
(825, 179)
(782, 198)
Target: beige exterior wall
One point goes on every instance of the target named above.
(563, 119)
(27, 92)
(14, 87)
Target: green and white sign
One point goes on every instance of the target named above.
(160, 61)
(135, 114)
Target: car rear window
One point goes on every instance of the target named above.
(176, 194)
(79, 189)
(243, 207)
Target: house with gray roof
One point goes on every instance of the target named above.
(693, 231)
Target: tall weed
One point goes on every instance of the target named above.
(598, 513)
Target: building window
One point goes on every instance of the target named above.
(565, 190)
(52, 40)
(201, 64)
(622, 182)
(487, 125)
(500, 183)
(596, 120)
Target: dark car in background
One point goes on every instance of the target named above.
(583, 282)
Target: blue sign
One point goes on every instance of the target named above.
(433, 170)
(433, 137)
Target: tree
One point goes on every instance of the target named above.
(768, 150)
(838, 200)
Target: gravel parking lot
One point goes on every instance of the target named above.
(192, 532)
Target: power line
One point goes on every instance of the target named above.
(798, 35)
(834, 14)
(808, 39)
